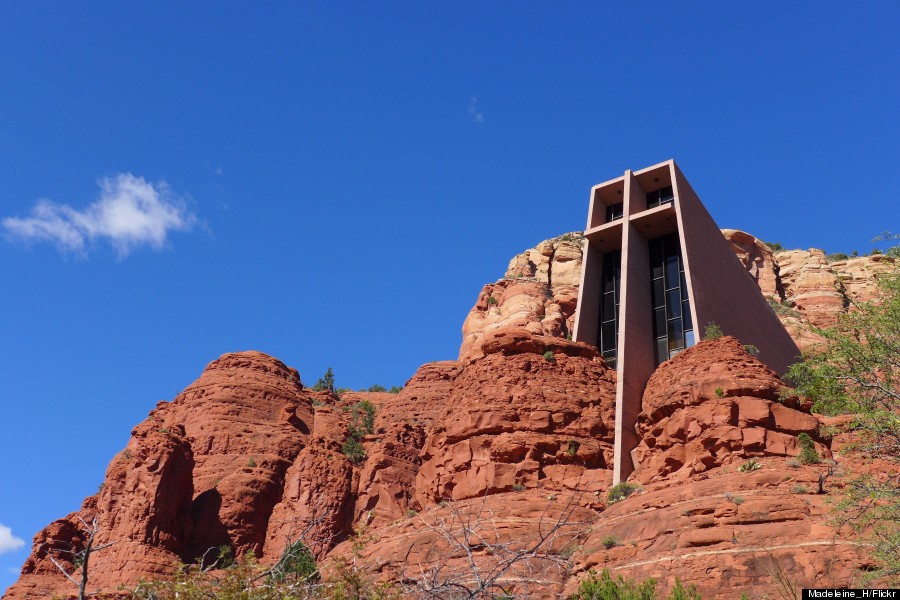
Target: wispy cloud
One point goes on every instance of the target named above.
(129, 213)
(476, 114)
(9, 542)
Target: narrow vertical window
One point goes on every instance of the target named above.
(672, 327)
(608, 332)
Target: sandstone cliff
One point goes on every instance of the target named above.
(539, 290)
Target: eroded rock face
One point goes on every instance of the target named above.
(539, 292)
(715, 405)
(202, 471)
(519, 419)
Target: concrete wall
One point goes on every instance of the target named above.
(720, 288)
(587, 317)
(635, 360)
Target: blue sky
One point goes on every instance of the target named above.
(333, 183)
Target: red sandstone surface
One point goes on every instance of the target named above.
(513, 444)
(539, 290)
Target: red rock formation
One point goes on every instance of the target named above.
(513, 439)
(539, 292)
(714, 405)
(518, 418)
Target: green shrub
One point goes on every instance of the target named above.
(605, 587)
(712, 331)
(362, 417)
(751, 349)
(610, 541)
(518, 487)
(297, 565)
(808, 454)
(395, 389)
(549, 356)
(251, 463)
(354, 450)
(572, 448)
(376, 388)
(738, 500)
(750, 466)
(836, 256)
(800, 489)
(620, 491)
(774, 246)
(679, 592)
(720, 392)
(491, 301)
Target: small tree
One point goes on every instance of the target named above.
(326, 382)
(712, 331)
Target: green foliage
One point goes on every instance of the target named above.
(610, 541)
(781, 307)
(605, 587)
(712, 331)
(251, 463)
(518, 487)
(362, 421)
(572, 447)
(737, 500)
(836, 256)
(395, 389)
(751, 349)
(491, 301)
(720, 392)
(679, 592)
(620, 491)
(362, 416)
(225, 557)
(376, 388)
(750, 466)
(354, 450)
(800, 489)
(297, 564)
(326, 382)
(549, 356)
(808, 454)
(774, 246)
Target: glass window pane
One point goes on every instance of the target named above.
(658, 297)
(672, 276)
(608, 335)
(609, 280)
(609, 307)
(659, 321)
(662, 352)
(688, 339)
(676, 337)
(666, 194)
(673, 303)
(686, 314)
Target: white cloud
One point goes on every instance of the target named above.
(477, 115)
(130, 212)
(9, 542)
